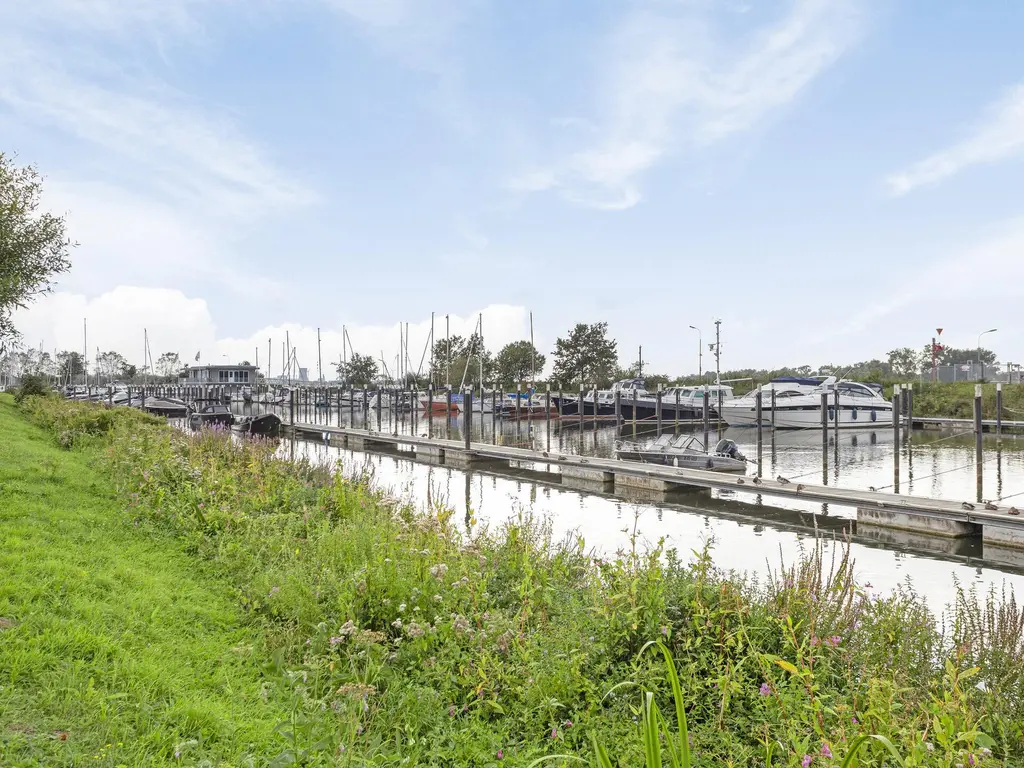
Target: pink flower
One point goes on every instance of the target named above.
(806, 762)
(554, 733)
(825, 751)
(766, 690)
(501, 755)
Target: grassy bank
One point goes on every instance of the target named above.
(116, 647)
(392, 636)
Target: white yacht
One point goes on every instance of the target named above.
(798, 405)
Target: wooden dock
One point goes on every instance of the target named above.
(999, 526)
(940, 422)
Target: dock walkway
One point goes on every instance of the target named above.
(998, 525)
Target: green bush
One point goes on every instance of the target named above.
(33, 384)
(71, 421)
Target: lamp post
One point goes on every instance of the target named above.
(700, 353)
(990, 330)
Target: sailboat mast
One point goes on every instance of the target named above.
(319, 361)
(533, 357)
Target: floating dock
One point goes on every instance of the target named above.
(998, 526)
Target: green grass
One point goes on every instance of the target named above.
(116, 647)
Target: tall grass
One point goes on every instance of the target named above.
(396, 638)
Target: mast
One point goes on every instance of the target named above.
(431, 349)
(85, 350)
(447, 352)
(640, 363)
(145, 349)
(288, 345)
(344, 360)
(319, 361)
(533, 359)
(718, 351)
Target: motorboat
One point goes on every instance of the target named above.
(685, 403)
(211, 415)
(165, 406)
(265, 425)
(685, 451)
(798, 405)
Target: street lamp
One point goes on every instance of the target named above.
(990, 330)
(700, 353)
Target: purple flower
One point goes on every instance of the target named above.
(806, 762)
(766, 690)
(815, 641)
(855, 721)
(568, 723)
(335, 640)
(501, 755)
(825, 751)
(451, 711)
(554, 733)
(834, 641)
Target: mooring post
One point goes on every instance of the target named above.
(291, 407)
(430, 411)
(675, 426)
(595, 413)
(838, 416)
(824, 418)
(379, 398)
(494, 414)
(773, 407)
(580, 409)
(657, 404)
(547, 414)
(448, 413)
(706, 405)
(561, 407)
(757, 411)
(618, 408)
(467, 421)
(999, 409)
(519, 394)
(977, 439)
(634, 413)
(910, 407)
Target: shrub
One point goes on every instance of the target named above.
(33, 384)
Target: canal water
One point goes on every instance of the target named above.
(750, 534)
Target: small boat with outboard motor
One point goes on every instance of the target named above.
(264, 425)
(214, 414)
(685, 451)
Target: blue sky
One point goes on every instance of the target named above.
(830, 178)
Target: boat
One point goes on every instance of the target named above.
(246, 393)
(210, 415)
(265, 425)
(798, 405)
(685, 451)
(685, 403)
(439, 404)
(165, 406)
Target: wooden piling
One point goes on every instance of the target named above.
(430, 410)
(838, 416)
(757, 408)
(448, 413)
(579, 410)
(467, 422)
(547, 414)
(824, 418)
(977, 440)
(706, 406)
(657, 405)
(773, 408)
(910, 407)
(999, 409)
(675, 426)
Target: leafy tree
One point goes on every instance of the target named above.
(905, 361)
(110, 364)
(168, 364)
(586, 356)
(955, 356)
(358, 371)
(33, 246)
(517, 361)
(69, 365)
(128, 371)
(458, 356)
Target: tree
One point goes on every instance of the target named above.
(954, 356)
(168, 364)
(458, 357)
(358, 371)
(586, 357)
(517, 361)
(33, 246)
(69, 365)
(905, 361)
(110, 365)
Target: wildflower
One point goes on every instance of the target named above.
(438, 571)
(335, 640)
(985, 751)
(451, 711)
(855, 721)
(438, 598)
(397, 623)
(347, 628)
(766, 690)
(401, 608)
(274, 591)
(825, 751)
(970, 759)
(501, 755)
(414, 630)
(815, 641)
(568, 723)
(554, 733)
(461, 625)
(664, 630)
(834, 641)
(806, 762)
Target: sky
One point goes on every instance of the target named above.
(829, 178)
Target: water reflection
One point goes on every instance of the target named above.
(750, 536)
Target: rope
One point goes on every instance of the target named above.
(1010, 496)
(943, 472)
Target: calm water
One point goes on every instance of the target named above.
(751, 534)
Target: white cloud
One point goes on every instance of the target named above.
(670, 86)
(998, 136)
(177, 323)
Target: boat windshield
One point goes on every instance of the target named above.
(687, 443)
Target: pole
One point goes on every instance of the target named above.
(824, 418)
(910, 407)
(431, 350)
(718, 351)
(319, 358)
(999, 409)
(757, 407)
(448, 357)
(288, 344)
(657, 405)
(977, 439)
(773, 409)
(640, 362)
(533, 357)
(467, 419)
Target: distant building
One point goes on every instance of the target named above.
(218, 375)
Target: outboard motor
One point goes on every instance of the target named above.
(727, 447)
